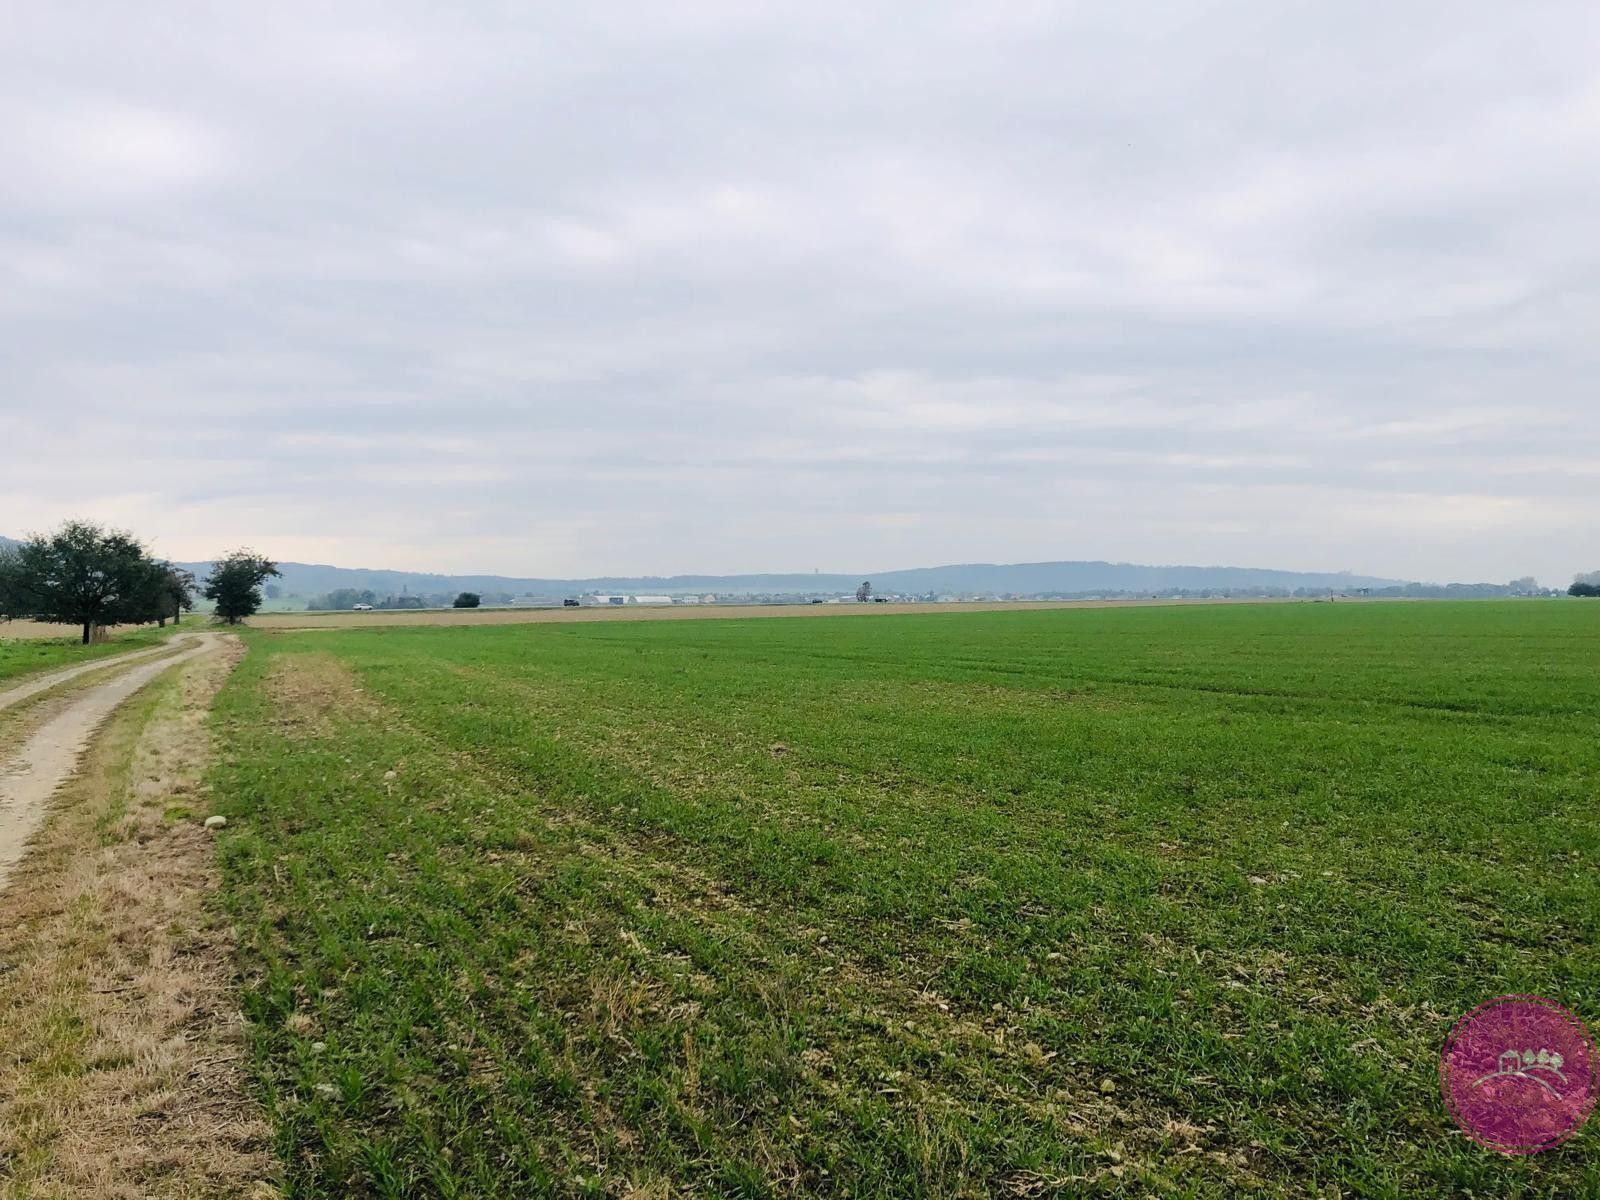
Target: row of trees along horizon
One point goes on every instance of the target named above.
(91, 577)
(344, 598)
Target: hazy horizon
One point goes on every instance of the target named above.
(741, 290)
(823, 572)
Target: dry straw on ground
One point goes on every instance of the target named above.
(122, 1060)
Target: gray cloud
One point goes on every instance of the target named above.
(741, 287)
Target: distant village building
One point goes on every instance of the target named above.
(651, 600)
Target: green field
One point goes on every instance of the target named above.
(1108, 902)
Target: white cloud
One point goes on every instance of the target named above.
(716, 286)
(99, 152)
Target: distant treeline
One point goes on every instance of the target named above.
(1405, 591)
(347, 598)
(307, 580)
(91, 577)
(1431, 591)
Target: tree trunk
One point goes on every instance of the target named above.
(161, 622)
(86, 633)
(177, 616)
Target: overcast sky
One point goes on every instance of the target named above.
(730, 286)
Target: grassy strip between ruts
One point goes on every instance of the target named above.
(19, 720)
(25, 656)
(1119, 902)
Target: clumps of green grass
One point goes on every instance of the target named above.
(1172, 902)
(25, 656)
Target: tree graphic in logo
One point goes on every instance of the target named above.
(1523, 1064)
(1509, 1095)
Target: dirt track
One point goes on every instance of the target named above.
(30, 776)
(123, 1052)
(51, 679)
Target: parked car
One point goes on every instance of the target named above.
(569, 602)
(361, 608)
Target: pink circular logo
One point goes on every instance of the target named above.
(1518, 1074)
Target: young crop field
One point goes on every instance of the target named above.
(1169, 901)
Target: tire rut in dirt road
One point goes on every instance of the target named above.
(124, 1055)
(51, 679)
(30, 776)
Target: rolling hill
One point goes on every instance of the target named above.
(302, 582)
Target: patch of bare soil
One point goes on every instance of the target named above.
(43, 629)
(307, 689)
(122, 1051)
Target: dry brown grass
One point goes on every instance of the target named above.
(309, 688)
(121, 1049)
(41, 629)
